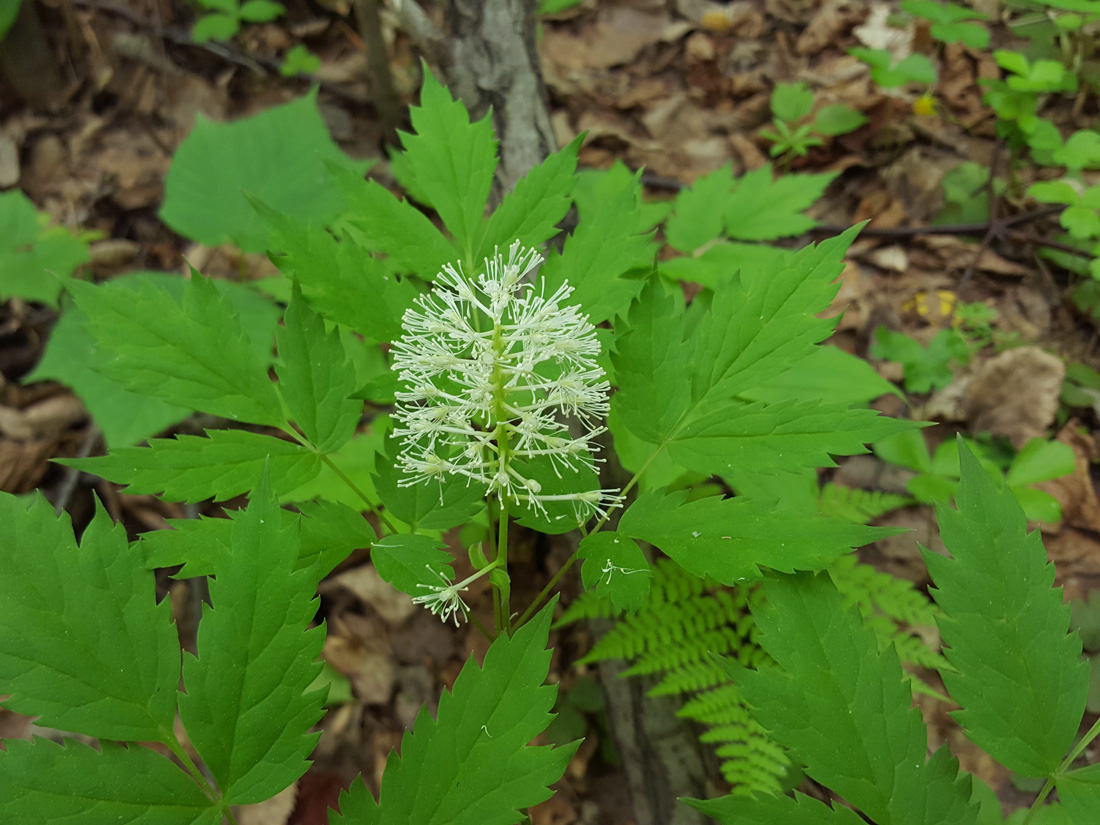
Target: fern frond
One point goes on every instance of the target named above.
(860, 506)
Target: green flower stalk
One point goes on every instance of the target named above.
(493, 369)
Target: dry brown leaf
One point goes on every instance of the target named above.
(1015, 394)
(274, 811)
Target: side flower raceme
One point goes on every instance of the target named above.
(493, 369)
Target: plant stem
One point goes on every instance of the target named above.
(502, 556)
(1063, 769)
(371, 506)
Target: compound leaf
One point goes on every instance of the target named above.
(695, 221)
(43, 783)
(191, 468)
(449, 162)
(246, 708)
(842, 706)
(762, 208)
(193, 354)
(731, 539)
(473, 763)
(83, 643)
(774, 438)
(315, 378)
(763, 323)
(1020, 679)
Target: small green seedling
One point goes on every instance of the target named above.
(36, 259)
(925, 368)
(951, 23)
(916, 68)
(226, 16)
(938, 473)
(795, 131)
(300, 60)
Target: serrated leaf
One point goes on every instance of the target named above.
(407, 237)
(42, 783)
(616, 568)
(828, 373)
(776, 438)
(1020, 679)
(731, 539)
(191, 468)
(429, 506)
(124, 417)
(493, 712)
(531, 211)
(329, 533)
(554, 517)
(193, 354)
(412, 562)
(1041, 460)
(1079, 791)
(83, 643)
(842, 706)
(276, 156)
(340, 278)
(763, 209)
(315, 378)
(764, 809)
(605, 246)
(765, 322)
(651, 362)
(449, 161)
(245, 707)
(721, 262)
(696, 217)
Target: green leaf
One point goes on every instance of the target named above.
(315, 378)
(449, 161)
(842, 706)
(720, 263)
(190, 468)
(1079, 791)
(605, 246)
(762, 208)
(192, 354)
(411, 562)
(765, 322)
(215, 27)
(9, 10)
(696, 217)
(411, 242)
(83, 643)
(731, 539)
(245, 707)
(427, 506)
(838, 119)
(1020, 679)
(355, 461)
(1041, 460)
(124, 417)
(531, 212)
(34, 262)
(261, 11)
(276, 156)
(339, 276)
(616, 568)
(780, 437)
(763, 809)
(45, 783)
(1080, 221)
(651, 360)
(329, 533)
(827, 374)
(473, 763)
(792, 101)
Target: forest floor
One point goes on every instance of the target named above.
(677, 88)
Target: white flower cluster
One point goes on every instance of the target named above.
(491, 371)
